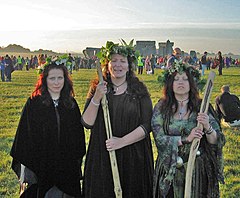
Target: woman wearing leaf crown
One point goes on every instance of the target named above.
(130, 110)
(174, 123)
(49, 144)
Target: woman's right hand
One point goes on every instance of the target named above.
(101, 90)
(195, 133)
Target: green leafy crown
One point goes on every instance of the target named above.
(180, 67)
(57, 60)
(115, 48)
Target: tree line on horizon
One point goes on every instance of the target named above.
(20, 49)
(14, 48)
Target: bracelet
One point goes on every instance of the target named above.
(94, 103)
(209, 131)
(184, 140)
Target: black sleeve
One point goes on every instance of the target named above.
(146, 113)
(81, 150)
(22, 142)
(87, 126)
(217, 109)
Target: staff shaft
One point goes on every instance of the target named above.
(112, 154)
(196, 141)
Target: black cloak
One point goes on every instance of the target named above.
(54, 154)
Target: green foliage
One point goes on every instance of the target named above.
(180, 67)
(114, 48)
(63, 59)
(13, 96)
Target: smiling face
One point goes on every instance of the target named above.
(181, 85)
(118, 66)
(55, 82)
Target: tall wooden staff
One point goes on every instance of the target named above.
(112, 154)
(196, 141)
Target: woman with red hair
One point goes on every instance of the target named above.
(49, 144)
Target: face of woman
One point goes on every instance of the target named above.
(118, 66)
(181, 84)
(55, 82)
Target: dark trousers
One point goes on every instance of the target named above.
(8, 73)
(140, 69)
(220, 69)
(2, 75)
(152, 67)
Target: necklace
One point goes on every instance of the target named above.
(181, 101)
(55, 102)
(117, 86)
(182, 110)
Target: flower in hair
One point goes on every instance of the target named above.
(180, 67)
(56, 60)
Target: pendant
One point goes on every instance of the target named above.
(198, 153)
(179, 162)
(55, 102)
(117, 86)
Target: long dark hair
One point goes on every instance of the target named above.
(135, 86)
(170, 104)
(41, 89)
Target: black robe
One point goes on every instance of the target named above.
(135, 161)
(228, 107)
(53, 155)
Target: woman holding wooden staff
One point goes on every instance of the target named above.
(174, 122)
(130, 111)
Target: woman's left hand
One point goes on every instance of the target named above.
(114, 143)
(203, 118)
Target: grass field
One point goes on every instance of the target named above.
(13, 96)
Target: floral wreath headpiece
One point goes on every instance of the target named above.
(114, 48)
(180, 67)
(56, 60)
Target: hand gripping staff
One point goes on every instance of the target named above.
(112, 154)
(196, 141)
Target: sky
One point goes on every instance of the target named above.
(73, 25)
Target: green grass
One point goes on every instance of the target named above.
(13, 96)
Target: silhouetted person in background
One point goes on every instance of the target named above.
(220, 60)
(8, 68)
(228, 107)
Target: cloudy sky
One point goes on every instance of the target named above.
(72, 25)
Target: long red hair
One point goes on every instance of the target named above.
(41, 89)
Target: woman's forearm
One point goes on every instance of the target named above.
(90, 114)
(133, 137)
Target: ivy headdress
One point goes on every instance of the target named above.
(126, 50)
(180, 67)
(64, 59)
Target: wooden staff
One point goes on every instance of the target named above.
(112, 154)
(196, 141)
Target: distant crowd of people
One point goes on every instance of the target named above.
(147, 64)
(8, 64)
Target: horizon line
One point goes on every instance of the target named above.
(75, 52)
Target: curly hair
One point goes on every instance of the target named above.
(41, 89)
